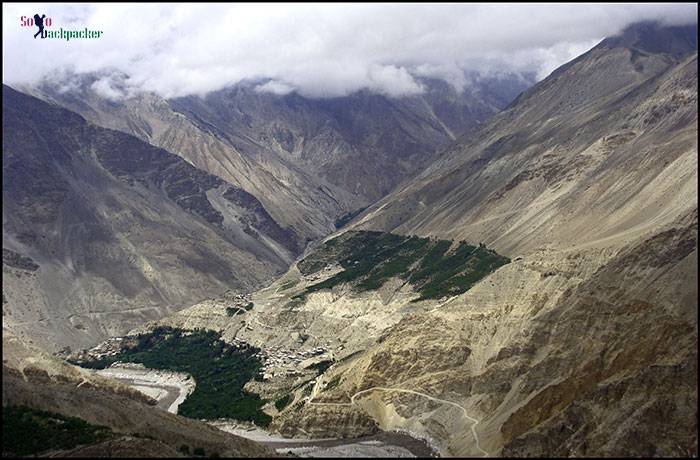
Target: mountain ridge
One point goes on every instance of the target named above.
(100, 211)
(308, 161)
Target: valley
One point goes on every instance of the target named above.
(507, 270)
(291, 369)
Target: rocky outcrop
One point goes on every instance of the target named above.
(15, 260)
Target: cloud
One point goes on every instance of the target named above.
(317, 50)
(106, 88)
(274, 87)
(392, 81)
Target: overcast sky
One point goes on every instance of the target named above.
(318, 50)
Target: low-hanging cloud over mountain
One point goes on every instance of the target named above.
(317, 50)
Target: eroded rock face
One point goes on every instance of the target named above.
(15, 260)
(324, 421)
(630, 392)
(308, 161)
(103, 231)
(409, 346)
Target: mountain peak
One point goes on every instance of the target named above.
(653, 37)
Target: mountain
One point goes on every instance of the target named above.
(102, 231)
(580, 341)
(543, 171)
(292, 196)
(586, 344)
(364, 143)
(309, 161)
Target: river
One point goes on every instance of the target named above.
(170, 389)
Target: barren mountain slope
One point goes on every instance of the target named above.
(293, 196)
(308, 161)
(603, 148)
(102, 231)
(364, 143)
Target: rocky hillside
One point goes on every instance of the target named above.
(602, 149)
(308, 161)
(363, 143)
(102, 231)
(292, 196)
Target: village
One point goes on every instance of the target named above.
(281, 362)
(277, 361)
(110, 347)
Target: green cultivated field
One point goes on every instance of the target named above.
(220, 370)
(369, 259)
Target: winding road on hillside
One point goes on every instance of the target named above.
(474, 421)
